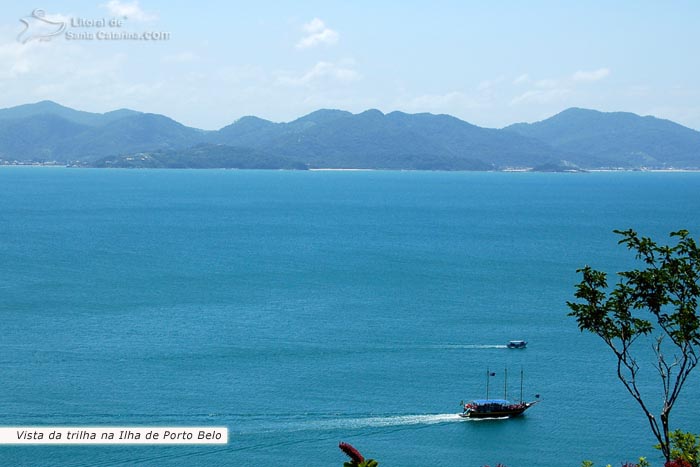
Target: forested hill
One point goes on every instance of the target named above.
(571, 140)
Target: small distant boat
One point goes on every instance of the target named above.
(516, 344)
(497, 408)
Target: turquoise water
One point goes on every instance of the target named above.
(304, 308)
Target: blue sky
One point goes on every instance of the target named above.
(490, 63)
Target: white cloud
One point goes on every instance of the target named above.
(18, 59)
(541, 96)
(317, 33)
(550, 91)
(54, 70)
(132, 11)
(467, 105)
(12, 62)
(594, 75)
(522, 79)
(340, 72)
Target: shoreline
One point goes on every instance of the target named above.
(331, 169)
(323, 169)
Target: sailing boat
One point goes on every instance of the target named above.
(497, 408)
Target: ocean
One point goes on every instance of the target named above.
(300, 309)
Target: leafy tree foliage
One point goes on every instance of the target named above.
(660, 300)
(685, 449)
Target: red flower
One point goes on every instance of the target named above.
(351, 452)
(677, 463)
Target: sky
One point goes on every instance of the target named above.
(208, 63)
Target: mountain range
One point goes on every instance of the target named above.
(575, 139)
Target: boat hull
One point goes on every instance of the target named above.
(516, 344)
(505, 414)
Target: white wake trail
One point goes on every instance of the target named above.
(469, 346)
(399, 420)
(331, 424)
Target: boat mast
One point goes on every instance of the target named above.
(521, 385)
(505, 384)
(488, 377)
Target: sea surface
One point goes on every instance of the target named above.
(300, 309)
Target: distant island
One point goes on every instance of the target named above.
(46, 133)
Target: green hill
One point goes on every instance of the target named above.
(616, 139)
(204, 156)
(572, 139)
